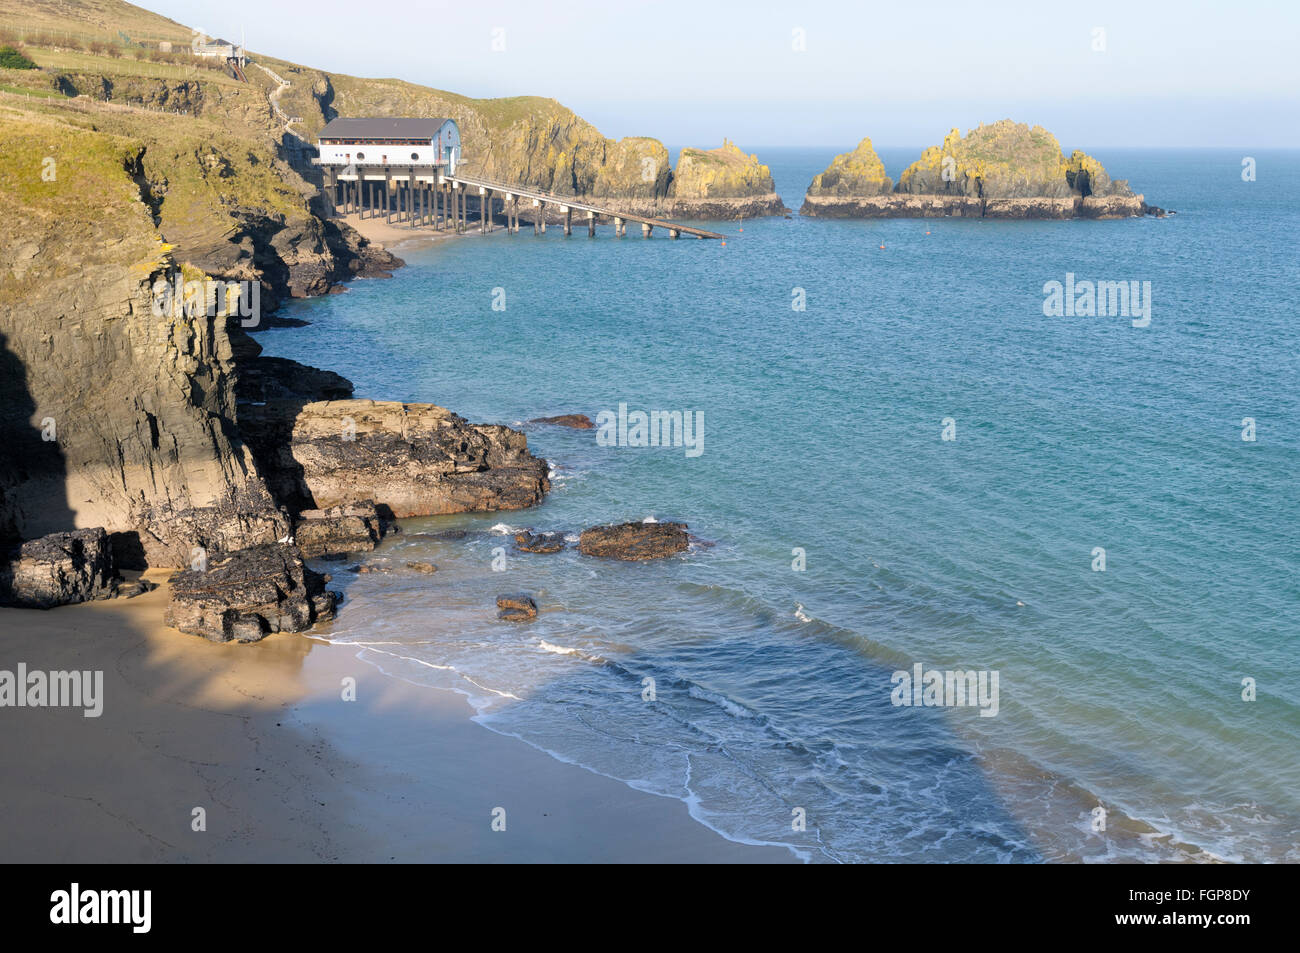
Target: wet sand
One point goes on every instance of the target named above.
(285, 769)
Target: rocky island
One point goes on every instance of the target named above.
(1000, 170)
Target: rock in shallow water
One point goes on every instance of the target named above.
(516, 607)
(58, 569)
(575, 421)
(634, 541)
(248, 594)
(527, 541)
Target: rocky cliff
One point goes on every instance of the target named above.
(114, 410)
(1000, 170)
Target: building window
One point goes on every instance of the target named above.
(361, 155)
(415, 155)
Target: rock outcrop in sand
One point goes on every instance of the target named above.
(1001, 170)
(247, 595)
(57, 569)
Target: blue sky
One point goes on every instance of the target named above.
(1160, 74)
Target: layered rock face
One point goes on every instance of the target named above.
(114, 410)
(354, 528)
(58, 569)
(1001, 170)
(415, 459)
(247, 595)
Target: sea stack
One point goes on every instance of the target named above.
(1000, 170)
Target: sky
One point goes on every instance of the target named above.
(823, 72)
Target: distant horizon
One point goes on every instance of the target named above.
(1146, 75)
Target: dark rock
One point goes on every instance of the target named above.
(248, 594)
(423, 567)
(530, 542)
(136, 587)
(58, 569)
(445, 534)
(634, 541)
(575, 421)
(516, 607)
(350, 528)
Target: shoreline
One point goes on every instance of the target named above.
(392, 238)
(259, 736)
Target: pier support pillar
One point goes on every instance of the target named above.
(484, 198)
(618, 227)
(568, 221)
(674, 233)
(645, 229)
(591, 224)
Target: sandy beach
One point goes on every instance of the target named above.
(260, 737)
(394, 237)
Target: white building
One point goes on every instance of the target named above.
(390, 142)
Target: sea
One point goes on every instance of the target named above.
(906, 464)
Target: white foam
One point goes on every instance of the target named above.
(557, 649)
(726, 704)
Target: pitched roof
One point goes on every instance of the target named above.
(382, 127)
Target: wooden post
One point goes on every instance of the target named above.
(388, 205)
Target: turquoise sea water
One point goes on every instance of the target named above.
(1119, 689)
